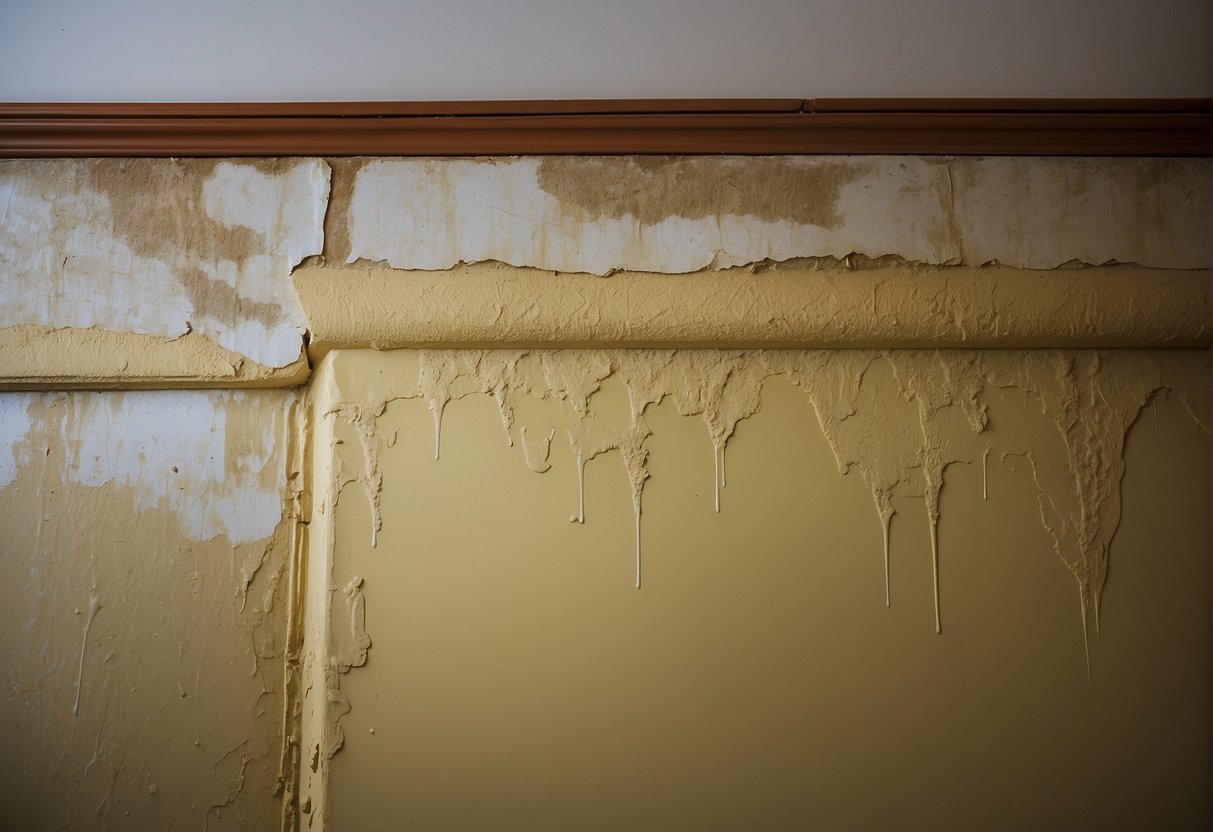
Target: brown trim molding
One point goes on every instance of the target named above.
(1014, 126)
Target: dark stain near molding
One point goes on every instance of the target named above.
(218, 300)
(337, 215)
(652, 188)
(157, 208)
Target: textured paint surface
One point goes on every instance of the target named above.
(665, 214)
(493, 623)
(162, 247)
(33, 358)
(145, 543)
(849, 303)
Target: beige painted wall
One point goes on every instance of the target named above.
(518, 678)
(197, 566)
(146, 550)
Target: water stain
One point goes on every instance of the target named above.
(652, 188)
(156, 207)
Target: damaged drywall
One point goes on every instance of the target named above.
(38, 358)
(684, 214)
(162, 247)
(896, 418)
(146, 272)
(759, 652)
(1091, 397)
(147, 543)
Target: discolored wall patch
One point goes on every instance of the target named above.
(162, 247)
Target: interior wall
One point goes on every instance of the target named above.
(146, 546)
(1036, 326)
(136, 50)
(711, 590)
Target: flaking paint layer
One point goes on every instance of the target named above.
(36, 358)
(847, 303)
(1046, 428)
(162, 247)
(146, 540)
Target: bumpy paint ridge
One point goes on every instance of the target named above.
(1091, 397)
(144, 538)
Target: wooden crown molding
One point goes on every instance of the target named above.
(949, 126)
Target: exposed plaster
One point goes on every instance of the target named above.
(162, 247)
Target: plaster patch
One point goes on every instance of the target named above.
(162, 247)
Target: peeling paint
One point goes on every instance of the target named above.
(162, 247)
(896, 418)
(1091, 397)
(40, 358)
(142, 646)
(599, 215)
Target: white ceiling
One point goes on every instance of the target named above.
(250, 50)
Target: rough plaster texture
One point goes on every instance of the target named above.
(173, 524)
(162, 247)
(146, 542)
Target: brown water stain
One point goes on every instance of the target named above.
(652, 188)
(157, 209)
(337, 245)
(220, 300)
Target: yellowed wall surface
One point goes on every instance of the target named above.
(498, 667)
(145, 553)
(954, 412)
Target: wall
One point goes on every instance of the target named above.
(993, 371)
(143, 613)
(592, 620)
(136, 50)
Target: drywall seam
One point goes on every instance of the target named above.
(320, 698)
(299, 514)
(804, 303)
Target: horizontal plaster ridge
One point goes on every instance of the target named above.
(798, 304)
